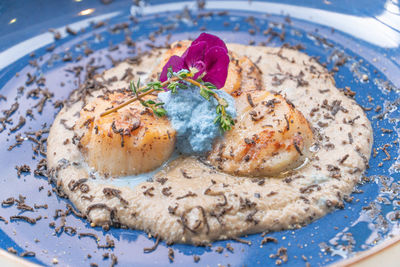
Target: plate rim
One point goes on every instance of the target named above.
(9, 259)
(367, 255)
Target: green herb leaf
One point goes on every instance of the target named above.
(172, 87)
(138, 84)
(223, 102)
(224, 120)
(160, 112)
(210, 86)
(170, 73)
(205, 93)
(155, 86)
(182, 86)
(143, 103)
(132, 87)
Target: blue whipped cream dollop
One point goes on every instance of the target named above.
(192, 117)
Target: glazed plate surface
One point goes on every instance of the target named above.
(358, 41)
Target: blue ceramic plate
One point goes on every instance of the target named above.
(364, 33)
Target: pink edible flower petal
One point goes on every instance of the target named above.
(177, 63)
(194, 57)
(211, 41)
(217, 61)
(208, 54)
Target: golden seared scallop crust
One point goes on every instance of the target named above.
(269, 138)
(130, 141)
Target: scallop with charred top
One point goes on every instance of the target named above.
(130, 141)
(270, 137)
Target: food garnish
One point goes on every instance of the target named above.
(203, 65)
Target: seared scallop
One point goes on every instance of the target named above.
(130, 141)
(270, 137)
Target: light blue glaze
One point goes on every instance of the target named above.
(192, 116)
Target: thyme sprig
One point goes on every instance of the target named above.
(175, 82)
(133, 99)
(157, 107)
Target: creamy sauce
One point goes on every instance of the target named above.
(189, 201)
